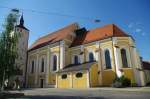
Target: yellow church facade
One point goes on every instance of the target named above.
(74, 57)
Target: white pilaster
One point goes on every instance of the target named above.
(47, 65)
(88, 79)
(57, 54)
(82, 55)
(36, 69)
(97, 52)
(117, 58)
(56, 86)
(62, 54)
(99, 61)
(70, 80)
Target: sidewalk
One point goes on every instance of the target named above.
(128, 89)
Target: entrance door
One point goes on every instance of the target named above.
(41, 83)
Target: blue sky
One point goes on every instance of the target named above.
(130, 15)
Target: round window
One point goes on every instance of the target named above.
(64, 76)
(79, 75)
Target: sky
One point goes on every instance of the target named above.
(132, 16)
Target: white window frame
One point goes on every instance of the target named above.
(90, 51)
(52, 65)
(42, 57)
(127, 54)
(73, 61)
(103, 57)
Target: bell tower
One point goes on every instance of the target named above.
(22, 48)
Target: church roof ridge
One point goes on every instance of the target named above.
(55, 36)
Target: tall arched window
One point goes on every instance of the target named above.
(32, 67)
(124, 58)
(54, 63)
(107, 59)
(42, 65)
(91, 57)
(76, 59)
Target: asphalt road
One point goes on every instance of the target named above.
(49, 93)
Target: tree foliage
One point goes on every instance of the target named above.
(8, 49)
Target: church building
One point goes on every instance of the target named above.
(74, 57)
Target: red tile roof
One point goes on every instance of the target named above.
(146, 65)
(54, 37)
(106, 31)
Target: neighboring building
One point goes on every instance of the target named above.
(73, 57)
(22, 48)
(146, 68)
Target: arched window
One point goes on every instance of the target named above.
(54, 63)
(107, 59)
(42, 65)
(91, 57)
(124, 58)
(76, 59)
(32, 67)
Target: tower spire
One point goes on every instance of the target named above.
(22, 20)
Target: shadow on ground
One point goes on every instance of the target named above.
(7, 95)
(59, 97)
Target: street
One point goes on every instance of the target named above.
(94, 93)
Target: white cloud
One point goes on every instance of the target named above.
(136, 27)
(143, 33)
(138, 30)
(130, 25)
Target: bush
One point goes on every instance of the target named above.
(121, 82)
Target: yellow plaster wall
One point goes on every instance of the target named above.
(128, 72)
(94, 75)
(55, 49)
(68, 57)
(91, 46)
(31, 80)
(127, 43)
(75, 51)
(107, 77)
(72, 52)
(52, 78)
(72, 81)
(87, 47)
(64, 83)
(80, 82)
(104, 46)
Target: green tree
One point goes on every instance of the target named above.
(8, 49)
